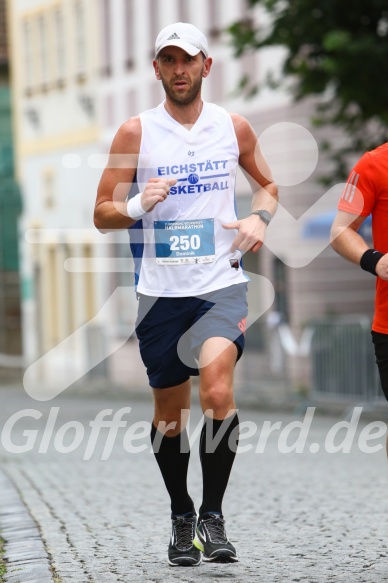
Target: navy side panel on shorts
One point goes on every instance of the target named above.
(171, 331)
(160, 324)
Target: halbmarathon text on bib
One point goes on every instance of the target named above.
(184, 242)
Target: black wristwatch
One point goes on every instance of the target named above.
(264, 215)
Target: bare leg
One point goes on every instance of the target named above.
(217, 361)
(170, 406)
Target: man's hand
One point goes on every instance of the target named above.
(250, 236)
(156, 191)
(382, 267)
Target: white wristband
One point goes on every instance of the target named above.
(134, 208)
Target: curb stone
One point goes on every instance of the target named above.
(25, 555)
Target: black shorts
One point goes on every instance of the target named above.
(171, 331)
(380, 342)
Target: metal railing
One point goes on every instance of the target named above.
(342, 360)
(335, 354)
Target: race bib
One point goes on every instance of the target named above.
(184, 242)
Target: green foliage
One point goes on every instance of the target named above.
(337, 52)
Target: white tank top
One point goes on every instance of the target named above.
(180, 248)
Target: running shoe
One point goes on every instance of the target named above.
(181, 551)
(211, 539)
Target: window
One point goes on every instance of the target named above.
(28, 56)
(48, 188)
(106, 44)
(43, 51)
(249, 64)
(214, 8)
(129, 16)
(51, 309)
(123, 281)
(70, 307)
(80, 40)
(183, 11)
(154, 23)
(132, 107)
(156, 93)
(110, 111)
(216, 80)
(60, 49)
(89, 286)
(243, 8)
(38, 297)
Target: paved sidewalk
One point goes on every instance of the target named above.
(313, 517)
(25, 552)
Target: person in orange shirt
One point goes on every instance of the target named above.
(365, 193)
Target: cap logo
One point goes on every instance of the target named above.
(173, 36)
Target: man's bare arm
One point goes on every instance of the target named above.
(345, 239)
(110, 210)
(251, 230)
(347, 242)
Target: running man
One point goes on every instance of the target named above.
(187, 244)
(365, 193)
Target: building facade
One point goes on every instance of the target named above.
(55, 75)
(80, 69)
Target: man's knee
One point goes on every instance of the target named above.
(171, 417)
(218, 398)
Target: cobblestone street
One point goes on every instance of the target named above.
(314, 517)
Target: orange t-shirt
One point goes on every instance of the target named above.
(366, 192)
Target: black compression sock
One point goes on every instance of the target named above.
(217, 457)
(172, 455)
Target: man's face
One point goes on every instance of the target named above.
(181, 74)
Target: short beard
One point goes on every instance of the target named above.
(190, 97)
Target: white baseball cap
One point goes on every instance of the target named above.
(182, 35)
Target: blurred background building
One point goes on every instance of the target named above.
(10, 209)
(79, 69)
(57, 127)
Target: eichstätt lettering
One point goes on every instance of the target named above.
(208, 166)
